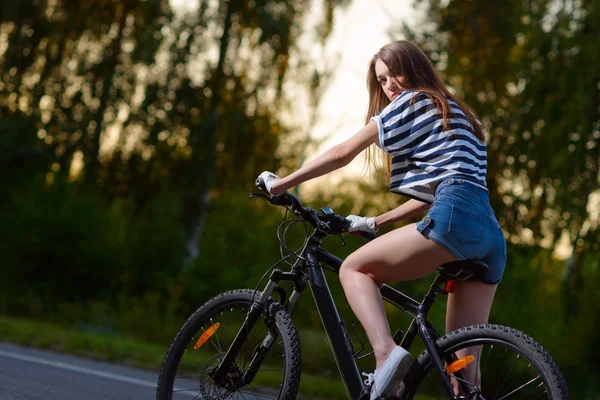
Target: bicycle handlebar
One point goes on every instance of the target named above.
(333, 224)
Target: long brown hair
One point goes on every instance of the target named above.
(405, 59)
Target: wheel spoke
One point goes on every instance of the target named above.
(252, 393)
(191, 376)
(507, 366)
(216, 334)
(211, 340)
(520, 387)
(508, 374)
(478, 374)
(513, 382)
(196, 396)
(191, 355)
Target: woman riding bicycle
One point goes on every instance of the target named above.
(437, 156)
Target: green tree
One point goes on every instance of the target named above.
(147, 100)
(527, 69)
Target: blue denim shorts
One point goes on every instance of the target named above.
(461, 220)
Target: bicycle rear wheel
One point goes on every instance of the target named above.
(204, 339)
(512, 366)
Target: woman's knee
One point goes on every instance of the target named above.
(352, 265)
(348, 264)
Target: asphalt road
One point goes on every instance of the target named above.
(32, 374)
(36, 374)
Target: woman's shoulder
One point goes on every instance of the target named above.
(410, 97)
(407, 103)
(404, 100)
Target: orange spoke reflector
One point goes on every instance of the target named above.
(206, 335)
(459, 364)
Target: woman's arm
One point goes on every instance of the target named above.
(336, 157)
(409, 209)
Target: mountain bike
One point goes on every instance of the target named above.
(244, 344)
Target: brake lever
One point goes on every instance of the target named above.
(276, 200)
(260, 195)
(326, 227)
(344, 226)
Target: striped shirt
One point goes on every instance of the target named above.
(422, 152)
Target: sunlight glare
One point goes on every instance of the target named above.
(183, 6)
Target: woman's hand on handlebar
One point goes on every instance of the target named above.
(334, 224)
(361, 224)
(266, 180)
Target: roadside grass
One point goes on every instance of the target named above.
(127, 351)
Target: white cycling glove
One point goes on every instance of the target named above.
(364, 224)
(269, 179)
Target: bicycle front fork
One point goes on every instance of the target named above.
(224, 373)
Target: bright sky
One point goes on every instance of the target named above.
(359, 31)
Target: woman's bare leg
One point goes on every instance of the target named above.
(400, 255)
(470, 304)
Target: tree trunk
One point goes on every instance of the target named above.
(91, 170)
(201, 194)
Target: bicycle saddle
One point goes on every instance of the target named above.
(463, 270)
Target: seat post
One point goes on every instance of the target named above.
(429, 299)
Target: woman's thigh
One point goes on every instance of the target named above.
(399, 255)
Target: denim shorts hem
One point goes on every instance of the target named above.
(492, 283)
(430, 233)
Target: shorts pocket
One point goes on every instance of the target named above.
(504, 246)
(466, 227)
(452, 198)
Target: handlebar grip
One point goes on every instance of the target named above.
(366, 235)
(260, 183)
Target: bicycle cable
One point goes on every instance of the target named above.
(282, 230)
(282, 242)
(287, 224)
(292, 253)
(284, 258)
(282, 239)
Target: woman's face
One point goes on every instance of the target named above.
(387, 81)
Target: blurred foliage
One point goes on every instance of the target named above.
(529, 70)
(131, 133)
(137, 99)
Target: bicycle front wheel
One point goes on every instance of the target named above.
(512, 365)
(270, 356)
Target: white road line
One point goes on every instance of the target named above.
(89, 371)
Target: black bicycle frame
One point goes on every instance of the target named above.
(336, 330)
(310, 263)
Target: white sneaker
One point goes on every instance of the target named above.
(387, 378)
